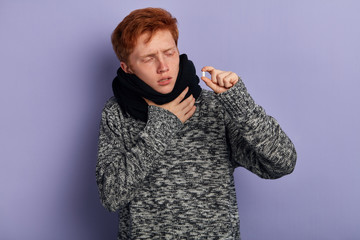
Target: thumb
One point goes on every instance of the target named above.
(149, 102)
(210, 84)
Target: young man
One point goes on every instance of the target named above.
(168, 149)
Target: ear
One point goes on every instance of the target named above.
(125, 68)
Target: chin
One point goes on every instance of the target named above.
(165, 90)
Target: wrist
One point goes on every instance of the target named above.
(237, 101)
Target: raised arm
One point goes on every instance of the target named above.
(256, 140)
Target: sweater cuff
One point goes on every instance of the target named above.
(237, 101)
(160, 127)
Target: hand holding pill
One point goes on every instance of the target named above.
(220, 80)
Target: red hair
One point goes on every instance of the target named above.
(147, 20)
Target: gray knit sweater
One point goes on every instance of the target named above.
(170, 180)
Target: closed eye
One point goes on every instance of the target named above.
(170, 52)
(148, 59)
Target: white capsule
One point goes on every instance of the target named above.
(203, 74)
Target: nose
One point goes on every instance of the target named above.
(162, 66)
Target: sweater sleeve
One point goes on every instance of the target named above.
(122, 166)
(256, 140)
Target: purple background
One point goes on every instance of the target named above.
(300, 60)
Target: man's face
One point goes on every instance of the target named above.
(155, 62)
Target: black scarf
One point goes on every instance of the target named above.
(130, 90)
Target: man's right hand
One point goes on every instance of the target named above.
(183, 110)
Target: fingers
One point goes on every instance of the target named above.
(149, 102)
(220, 80)
(189, 108)
(187, 104)
(209, 83)
(230, 79)
(208, 69)
(212, 72)
(189, 113)
(182, 108)
(182, 95)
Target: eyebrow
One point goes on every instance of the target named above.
(154, 54)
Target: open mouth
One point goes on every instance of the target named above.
(164, 81)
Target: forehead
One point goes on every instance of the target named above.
(161, 39)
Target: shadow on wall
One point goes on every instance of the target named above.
(85, 215)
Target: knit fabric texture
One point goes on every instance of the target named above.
(170, 180)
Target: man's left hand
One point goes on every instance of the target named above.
(220, 80)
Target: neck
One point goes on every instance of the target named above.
(130, 91)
